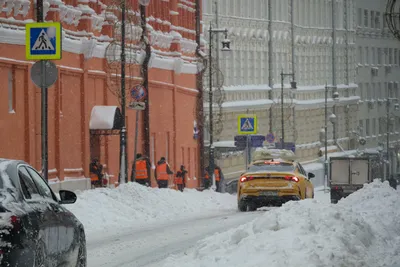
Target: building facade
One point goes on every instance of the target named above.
(298, 39)
(89, 76)
(378, 75)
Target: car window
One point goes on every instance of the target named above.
(272, 166)
(302, 171)
(42, 186)
(28, 187)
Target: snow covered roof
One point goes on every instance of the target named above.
(105, 118)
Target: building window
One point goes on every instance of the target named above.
(384, 21)
(378, 20)
(367, 130)
(367, 55)
(361, 126)
(359, 17)
(360, 86)
(374, 126)
(379, 55)
(360, 55)
(373, 54)
(365, 18)
(390, 56)
(11, 93)
(372, 19)
(395, 57)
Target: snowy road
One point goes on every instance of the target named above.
(146, 247)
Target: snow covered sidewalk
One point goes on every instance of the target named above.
(362, 230)
(132, 205)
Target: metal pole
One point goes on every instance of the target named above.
(217, 42)
(133, 175)
(199, 85)
(123, 177)
(210, 95)
(145, 74)
(247, 152)
(334, 63)
(387, 133)
(282, 112)
(270, 60)
(44, 103)
(293, 45)
(326, 140)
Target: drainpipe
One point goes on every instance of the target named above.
(270, 60)
(145, 74)
(334, 65)
(199, 85)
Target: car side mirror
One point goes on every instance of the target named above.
(67, 197)
(311, 175)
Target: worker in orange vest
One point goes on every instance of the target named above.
(219, 177)
(207, 181)
(162, 173)
(141, 170)
(180, 178)
(96, 168)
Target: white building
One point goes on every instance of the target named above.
(378, 58)
(365, 54)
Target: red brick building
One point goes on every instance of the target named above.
(88, 76)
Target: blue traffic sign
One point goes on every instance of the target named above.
(43, 41)
(270, 138)
(247, 124)
(254, 141)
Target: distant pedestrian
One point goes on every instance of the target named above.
(142, 166)
(96, 168)
(162, 173)
(180, 178)
(219, 178)
(207, 179)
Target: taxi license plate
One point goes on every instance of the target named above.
(269, 193)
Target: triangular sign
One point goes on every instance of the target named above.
(43, 43)
(247, 126)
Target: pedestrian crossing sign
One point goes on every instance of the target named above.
(43, 41)
(247, 124)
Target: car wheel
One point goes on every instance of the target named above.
(40, 255)
(82, 255)
(251, 207)
(242, 206)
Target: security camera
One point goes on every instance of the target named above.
(396, 106)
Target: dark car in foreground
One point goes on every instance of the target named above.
(35, 229)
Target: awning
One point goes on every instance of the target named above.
(105, 118)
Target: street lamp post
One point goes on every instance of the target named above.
(225, 47)
(332, 119)
(293, 86)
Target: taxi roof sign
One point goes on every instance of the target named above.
(274, 154)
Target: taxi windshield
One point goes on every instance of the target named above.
(272, 166)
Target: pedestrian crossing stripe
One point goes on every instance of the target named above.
(43, 42)
(247, 124)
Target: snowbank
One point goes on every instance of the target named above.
(362, 230)
(132, 205)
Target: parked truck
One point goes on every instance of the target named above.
(347, 175)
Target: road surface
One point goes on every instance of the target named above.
(147, 247)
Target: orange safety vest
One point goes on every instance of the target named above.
(179, 180)
(216, 173)
(162, 172)
(141, 170)
(206, 176)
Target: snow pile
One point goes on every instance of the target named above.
(362, 230)
(132, 205)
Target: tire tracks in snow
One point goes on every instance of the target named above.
(148, 246)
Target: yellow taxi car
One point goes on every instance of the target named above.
(273, 178)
